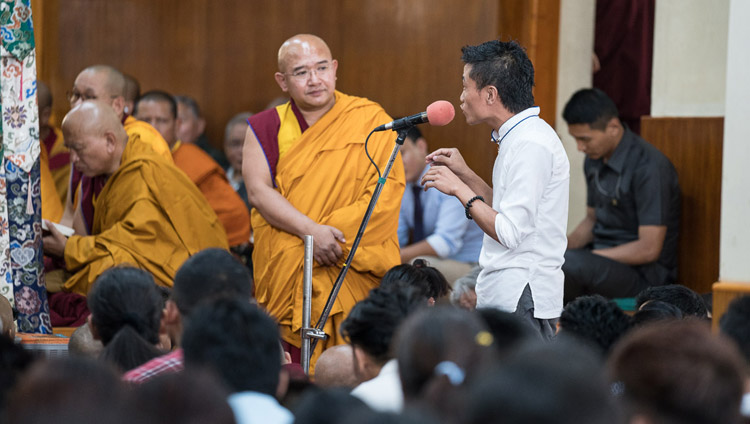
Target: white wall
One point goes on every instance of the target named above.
(576, 45)
(690, 56)
(734, 263)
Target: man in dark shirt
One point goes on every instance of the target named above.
(628, 239)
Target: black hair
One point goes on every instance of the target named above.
(338, 402)
(157, 96)
(508, 330)
(590, 106)
(655, 310)
(209, 274)
(14, 361)
(190, 103)
(689, 302)
(596, 319)
(734, 324)
(126, 309)
(372, 322)
(426, 279)
(505, 66)
(413, 133)
(238, 341)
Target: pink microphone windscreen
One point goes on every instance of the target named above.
(440, 113)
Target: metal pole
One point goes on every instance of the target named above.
(307, 303)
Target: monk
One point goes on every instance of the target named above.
(107, 84)
(131, 93)
(53, 147)
(306, 172)
(192, 126)
(148, 214)
(159, 109)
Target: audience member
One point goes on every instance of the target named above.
(239, 342)
(7, 318)
(126, 316)
(431, 224)
(14, 361)
(53, 147)
(328, 406)
(130, 94)
(369, 329)
(428, 281)
(464, 292)
(234, 140)
(655, 310)
(678, 372)
(83, 344)
(628, 239)
(735, 324)
(335, 368)
(594, 319)
(192, 126)
(689, 302)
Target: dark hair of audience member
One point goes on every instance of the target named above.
(126, 309)
(327, 406)
(508, 330)
(689, 302)
(440, 350)
(238, 341)
(654, 311)
(590, 106)
(227, 276)
(14, 361)
(69, 391)
(678, 372)
(735, 324)
(428, 280)
(187, 397)
(544, 383)
(158, 96)
(596, 319)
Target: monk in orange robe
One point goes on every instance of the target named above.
(148, 214)
(106, 84)
(159, 109)
(306, 172)
(57, 156)
(52, 208)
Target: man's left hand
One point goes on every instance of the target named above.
(54, 243)
(444, 180)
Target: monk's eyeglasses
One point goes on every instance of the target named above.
(303, 74)
(74, 95)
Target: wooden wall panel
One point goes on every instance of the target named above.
(694, 145)
(402, 53)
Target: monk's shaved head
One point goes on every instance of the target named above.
(132, 88)
(301, 45)
(44, 96)
(93, 117)
(114, 80)
(335, 368)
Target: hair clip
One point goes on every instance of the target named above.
(484, 338)
(453, 372)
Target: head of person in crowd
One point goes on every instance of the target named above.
(427, 280)
(236, 340)
(126, 310)
(14, 362)
(68, 391)
(595, 319)
(594, 122)
(678, 372)
(371, 324)
(440, 352)
(335, 368)
(131, 93)
(689, 302)
(654, 311)
(44, 103)
(735, 324)
(413, 152)
(159, 109)
(307, 72)
(234, 139)
(498, 81)
(7, 318)
(508, 330)
(83, 344)
(187, 397)
(99, 82)
(338, 403)
(544, 383)
(207, 275)
(464, 293)
(191, 122)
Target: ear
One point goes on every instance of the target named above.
(111, 140)
(171, 315)
(92, 328)
(201, 125)
(613, 126)
(118, 104)
(335, 66)
(422, 146)
(281, 81)
(490, 94)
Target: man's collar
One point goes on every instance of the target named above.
(499, 134)
(617, 160)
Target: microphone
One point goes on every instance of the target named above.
(438, 113)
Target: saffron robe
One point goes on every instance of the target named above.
(325, 174)
(148, 214)
(52, 209)
(212, 182)
(59, 161)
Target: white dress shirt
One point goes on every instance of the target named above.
(383, 393)
(530, 182)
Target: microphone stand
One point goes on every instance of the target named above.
(317, 332)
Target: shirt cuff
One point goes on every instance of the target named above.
(439, 245)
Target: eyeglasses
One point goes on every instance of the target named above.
(74, 95)
(322, 69)
(614, 196)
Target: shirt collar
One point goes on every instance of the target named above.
(617, 161)
(499, 134)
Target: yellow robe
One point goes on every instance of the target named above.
(326, 175)
(59, 162)
(149, 214)
(52, 208)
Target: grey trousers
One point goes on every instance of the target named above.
(547, 328)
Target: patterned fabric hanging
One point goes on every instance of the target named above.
(21, 276)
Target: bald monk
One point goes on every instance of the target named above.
(148, 214)
(159, 109)
(306, 172)
(107, 84)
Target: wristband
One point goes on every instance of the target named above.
(468, 205)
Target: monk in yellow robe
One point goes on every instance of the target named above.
(159, 109)
(148, 214)
(306, 172)
(52, 208)
(106, 84)
(57, 156)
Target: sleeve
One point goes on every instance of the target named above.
(589, 192)
(407, 208)
(450, 228)
(652, 194)
(529, 173)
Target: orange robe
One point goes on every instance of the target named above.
(148, 214)
(59, 161)
(52, 209)
(212, 182)
(326, 175)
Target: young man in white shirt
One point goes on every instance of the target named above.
(524, 214)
